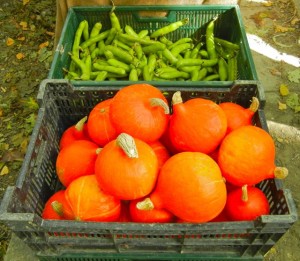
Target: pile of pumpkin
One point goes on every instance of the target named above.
(138, 158)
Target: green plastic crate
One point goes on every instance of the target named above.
(63, 104)
(228, 26)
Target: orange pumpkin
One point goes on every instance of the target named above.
(247, 156)
(99, 126)
(237, 115)
(77, 159)
(57, 207)
(151, 215)
(246, 203)
(161, 152)
(90, 203)
(197, 124)
(190, 186)
(127, 168)
(75, 132)
(140, 110)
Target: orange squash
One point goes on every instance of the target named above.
(237, 115)
(197, 124)
(75, 132)
(151, 215)
(127, 168)
(90, 203)
(140, 110)
(247, 156)
(190, 186)
(246, 203)
(77, 159)
(99, 126)
(57, 207)
(161, 152)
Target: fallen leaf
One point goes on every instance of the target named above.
(21, 38)
(295, 20)
(283, 29)
(281, 106)
(10, 41)
(260, 16)
(20, 56)
(284, 90)
(4, 171)
(268, 4)
(43, 45)
(50, 33)
(275, 72)
(24, 25)
(294, 76)
(293, 101)
(15, 155)
(25, 2)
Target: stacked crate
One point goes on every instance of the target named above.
(63, 103)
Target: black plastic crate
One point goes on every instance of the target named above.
(62, 105)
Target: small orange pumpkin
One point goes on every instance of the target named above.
(127, 168)
(75, 132)
(99, 126)
(247, 156)
(190, 186)
(90, 203)
(237, 115)
(140, 110)
(57, 207)
(197, 124)
(161, 152)
(77, 159)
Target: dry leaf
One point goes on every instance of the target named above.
(24, 25)
(21, 38)
(42, 45)
(284, 90)
(50, 33)
(295, 20)
(20, 56)
(4, 171)
(282, 29)
(10, 41)
(260, 16)
(268, 4)
(281, 106)
(275, 72)
(25, 2)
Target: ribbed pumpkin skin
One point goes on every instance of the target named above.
(132, 113)
(190, 186)
(247, 156)
(90, 203)
(99, 126)
(124, 177)
(197, 125)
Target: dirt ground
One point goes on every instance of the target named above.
(27, 37)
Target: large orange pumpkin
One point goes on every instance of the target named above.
(127, 168)
(197, 124)
(140, 110)
(90, 203)
(190, 186)
(247, 156)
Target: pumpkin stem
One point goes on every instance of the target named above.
(177, 98)
(98, 150)
(254, 104)
(58, 208)
(281, 172)
(127, 144)
(146, 204)
(161, 103)
(79, 125)
(244, 193)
